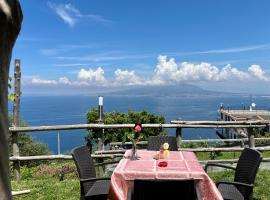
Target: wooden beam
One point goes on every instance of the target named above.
(226, 149)
(15, 193)
(196, 141)
(61, 157)
(110, 151)
(228, 161)
(190, 124)
(121, 143)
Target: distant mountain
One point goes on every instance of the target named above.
(164, 90)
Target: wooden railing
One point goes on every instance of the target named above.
(179, 125)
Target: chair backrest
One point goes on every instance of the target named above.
(154, 142)
(85, 166)
(164, 189)
(247, 167)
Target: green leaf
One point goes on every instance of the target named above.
(11, 97)
(123, 134)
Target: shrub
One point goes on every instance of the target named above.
(27, 146)
(116, 135)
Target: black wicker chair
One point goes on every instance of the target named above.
(154, 142)
(245, 172)
(91, 187)
(163, 189)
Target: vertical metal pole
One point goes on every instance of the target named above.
(58, 143)
(101, 135)
(100, 121)
(16, 117)
(251, 138)
(178, 137)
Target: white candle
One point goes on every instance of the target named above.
(100, 101)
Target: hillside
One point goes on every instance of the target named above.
(165, 90)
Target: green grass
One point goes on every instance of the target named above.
(262, 182)
(223, 155)
(44, 183)
(48, 188)
(217, 156)
(43, 180)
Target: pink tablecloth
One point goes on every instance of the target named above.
(181, 165)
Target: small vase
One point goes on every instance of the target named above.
(134, 155)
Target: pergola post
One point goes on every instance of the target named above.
(10, 25)
(16, 117)
(178, 137)
(251, 138)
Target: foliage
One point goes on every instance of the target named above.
(27, 146)
(27, 173)
(10, 95)
(189, 145)
(113, 135)
(55, 169)
(259, 133)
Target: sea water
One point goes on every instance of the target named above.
(67, 110)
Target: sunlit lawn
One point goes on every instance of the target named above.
(262, 182)
(48, 188)
(224, 155)
(44, 183)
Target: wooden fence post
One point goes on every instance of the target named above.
(178, 137)
(16, 117)
(251, 137)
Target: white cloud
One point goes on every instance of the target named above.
(224, 51)
(71, 15)
(49, 52)
(71, 65)
(126, 77)
(39, 81)
(107, 56)
(229, 72)
(66, 12)
(67, 48)
(64, 80)
(257, 72)
(92, 75)
(167, 71)
(61, 81)
(235, 50)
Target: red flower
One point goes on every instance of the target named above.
(138, 127)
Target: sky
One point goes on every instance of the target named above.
(71, 47)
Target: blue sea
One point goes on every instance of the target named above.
(66, 110)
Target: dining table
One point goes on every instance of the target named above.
(180, 165)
